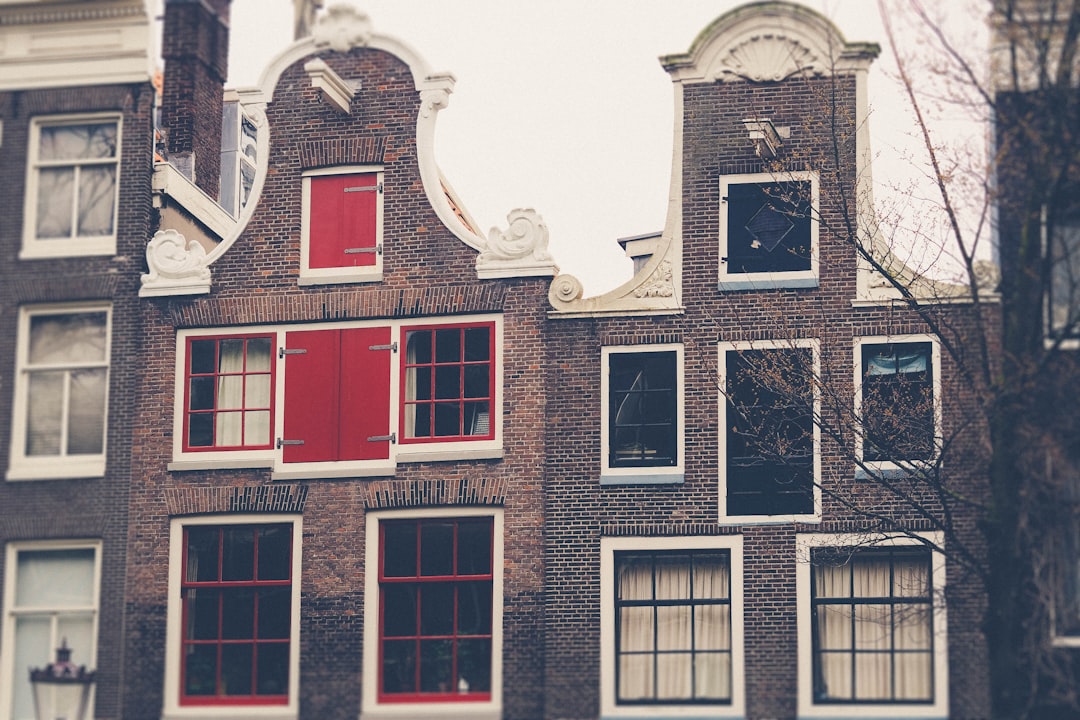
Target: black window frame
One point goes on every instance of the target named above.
(756, 213)
(899, 405)
(648, 379)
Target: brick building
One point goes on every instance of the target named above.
(748, 453)
(363, 460)
(75, 157)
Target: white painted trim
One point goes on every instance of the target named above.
(334, 89)
(909, 466)
(345, 274)
(721, 369)
(169, 181)
(755, 281)
(608, 705)
(371, 708)
(172, 709)
(51, 467)
(642, 474)
(399, 453)
(939, 708)
(75, 246)
(7, 648)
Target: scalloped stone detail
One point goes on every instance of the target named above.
(769, 58)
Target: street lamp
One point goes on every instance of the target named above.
(61, 689)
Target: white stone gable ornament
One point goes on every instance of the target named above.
(521, 249)
(342, 28)
(177, 266)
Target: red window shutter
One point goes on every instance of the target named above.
(365, 393)
(343, 220)
(311, 396)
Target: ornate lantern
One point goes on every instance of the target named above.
(61, 689)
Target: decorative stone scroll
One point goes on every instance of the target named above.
(520, 250)
(177, 266)
(342, 28)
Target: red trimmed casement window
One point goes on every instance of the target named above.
(344, 220)
(448, 383)
(435, 610)
(237, 607)
(228, 394)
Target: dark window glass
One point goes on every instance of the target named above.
(770, 432)
(768, 227)
(449, 383)
(436, 613)
(642, 415)
(237, 621)
(898, 401)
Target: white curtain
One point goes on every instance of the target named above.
(242, 386)
(878, 637)
(410, 384)
(689, 643)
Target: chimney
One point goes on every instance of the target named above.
(195, 48)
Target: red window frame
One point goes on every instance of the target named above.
(441, 398)
(458, 586)
(226, 593)
(194, 376)
(344, 217)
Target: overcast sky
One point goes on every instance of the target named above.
(562, 105)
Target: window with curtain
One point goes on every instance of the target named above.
(448, 385)
(897, 407)
(642, 409)
(770, 431)
(673, 627)
(435, 608)
(229, 402)
(1063, 293)
(54, 600)
(237, 614)
(74, 167)
(873, 625)
(62, 388)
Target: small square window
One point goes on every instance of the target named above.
(73, 170)
(770, 460)
(61, 393)
(768, 231)
(341, 229)
(642, 414)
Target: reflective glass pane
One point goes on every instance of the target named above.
(201, 393)
(448, 345)
(712, 627)
(201, 430)
(236, 666)
(447, 419)
(437, 609)
(477, 344)
(474, 608)
(55, 579)
(272, 669)
(257, 428)
(238, 613)
(200, 670)
(673, 627)
(447, 382)
(474, 548)
(202, 356)
(712, 676)
(436, 669)
(275, 551)
(258, 355)
(399, 666)
(419, 346)
(477, 379)
(78, 142)
(474, 664)
(636, 681)
(230, 392)
(257, 391)
(436, 549)
(97, 193)
(45, 409)
(274, 608)
(203, 614)
(68, 338)
(399, 550)
(56, 189)
(399, 610)
(202, 554)
(33, 648)
(86, 419)
(238, 553)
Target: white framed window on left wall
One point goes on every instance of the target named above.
(51, 596)
(72, 181)
(61, 392)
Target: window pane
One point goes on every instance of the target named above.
(238, 553)
(437, 609)
(97, 189)
(55, 579)
(399, 550)
(202, 356)
(835, 676)
(45, 413)
(477, 344)
(447, 382)
(673, 628)
(635, 677)
(913, 677)
(203, 608)
(768, 227)
(33, 648)
(78, 142)
(436, 549)
(635, 578)
(436, 658)
(67, 338)
(200, 670)
(448, 346)
(477, 378)
(86, 421)
(236, 666)
(873, 627)
(636, 629)
(399, 666)
(912, 627)
(474, 664)
(834, 627)
(202, 554)
(712, 627)
(56, 188)
(712, 676)
(674, 675)
(275, 552)
(274, 608)
(419, 346)
(272, 669)
(399, 610)
(257, 428)
(672, 577)
(474, 548)
(873, 680)
(474, 608)
(238, 614)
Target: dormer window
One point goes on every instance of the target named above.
(341, 230)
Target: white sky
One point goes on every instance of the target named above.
(562, 105)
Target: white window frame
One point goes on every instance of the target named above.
(371, 708)
(641, 475)
(896, 468)
(337, 275)
(721, 368)
(7, 648)
(939, 708)
(609, 707)
(173, 710)
(76, 246)
(434, 451)
(51, 467)
(766, 280)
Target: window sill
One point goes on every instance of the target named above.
(47, 250)
(226, 464)
(226, 712)
(330, 471)
(339, 278)
(57, 470)
(727, 283)
(414, 456)
(889, 470)
(426, 712)
(1066, 642)
(642, 478)
(809, 519)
